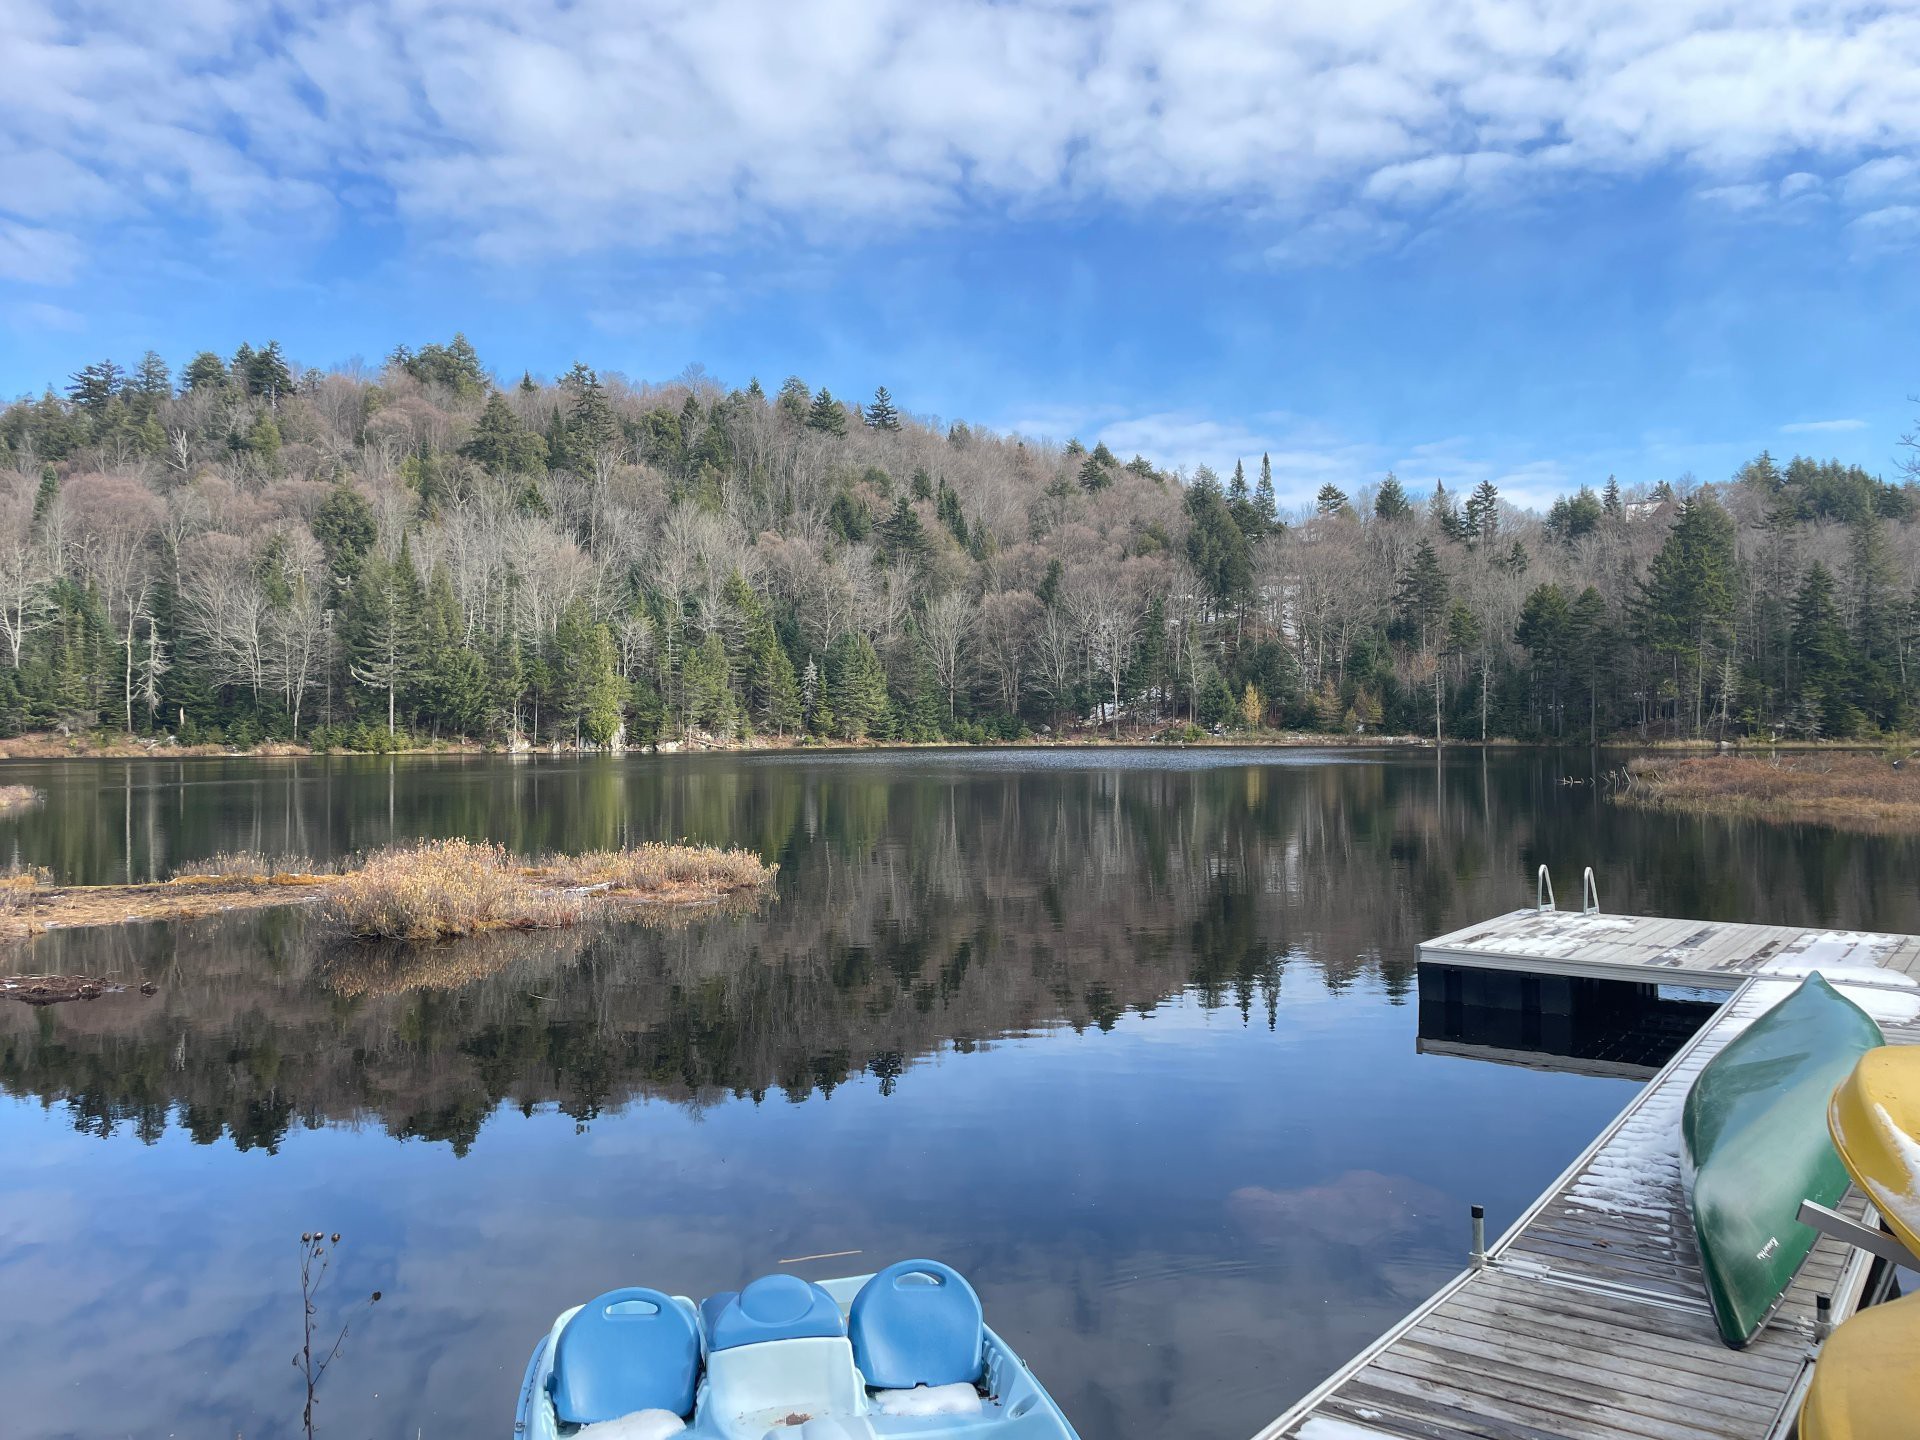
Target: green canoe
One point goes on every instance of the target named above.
(1754, 1142)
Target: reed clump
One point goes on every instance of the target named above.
(440, 889)
(1867, 792)
(253, 866)
(654, 869)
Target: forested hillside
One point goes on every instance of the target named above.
(374, 558)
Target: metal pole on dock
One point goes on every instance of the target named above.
(1479, 1237)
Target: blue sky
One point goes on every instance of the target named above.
(1538, 244)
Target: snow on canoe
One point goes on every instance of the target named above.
(1875, 1124)
(1753, 1139)
(903, 1352)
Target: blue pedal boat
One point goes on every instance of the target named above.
(905, 1352)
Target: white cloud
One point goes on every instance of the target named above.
(1888, 177)
(1306, 454)
(528, 131)
(34, 254)
(1821, 427)
(1888, 229)
(38, 315)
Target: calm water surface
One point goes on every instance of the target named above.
(1133, 1039)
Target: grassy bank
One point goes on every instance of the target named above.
(433, 890)
(1852, 791)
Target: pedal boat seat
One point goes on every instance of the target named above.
(774, 1307)
(917, 1322)
(626, 1350)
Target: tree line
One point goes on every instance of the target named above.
(372, 557)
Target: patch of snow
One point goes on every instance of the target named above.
(959, 1398)
(1887, 1007)
(1638, 1171)
(1560, 935)
(1902, 1205)
(640, 1425)
(1840, 955)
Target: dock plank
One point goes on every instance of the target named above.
(1589, 1320)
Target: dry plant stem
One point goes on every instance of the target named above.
(314, 1252)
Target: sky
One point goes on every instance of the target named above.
(1537, 241)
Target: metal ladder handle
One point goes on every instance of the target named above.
(1543, 891)
(1589, 895)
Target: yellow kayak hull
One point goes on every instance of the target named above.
(1866, 1385)
(1874, 1118)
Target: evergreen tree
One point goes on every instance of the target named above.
(826, 414)
(794, 401)
(1876, 624)
(1482, 520)
(1216, 546)
(382, 625)
(345, 528)
(1331, 500)
(455, 687)
(45, 498)
(1420, 600)
(1822, 659)
(501, 445)
(151, 383)
(1264, 502)
(881, 414)
(1761, 473)
(1569, 518)
(588, 694)
(591, 429)
(1093, 476)
(1444, 514)
(1546, 631)
(857, 688)
(1686, 602)
(1610, 502)
(264, 373)
(455, 365)
(263, 439)
(1591, 645)
(902, 535)
(206, 372)
(705, 697)
(1392, 503)
(92, 387)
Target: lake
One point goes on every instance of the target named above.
(1132, 1038)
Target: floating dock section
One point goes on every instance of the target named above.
(1588, 1318)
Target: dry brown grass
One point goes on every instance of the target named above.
(18, 797)
(434, 890)
(252, 867)
(1848, 791)
(439, 889)
(658, 869)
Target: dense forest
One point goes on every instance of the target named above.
(373, 559)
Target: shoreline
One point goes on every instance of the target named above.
(47, 748)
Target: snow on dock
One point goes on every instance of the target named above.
(1588, 1319)
(1592, 945)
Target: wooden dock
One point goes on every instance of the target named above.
(1596, 946)
(1588, 1319)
